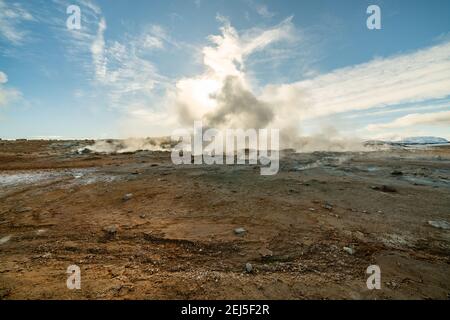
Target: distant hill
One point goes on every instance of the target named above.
(407, 142)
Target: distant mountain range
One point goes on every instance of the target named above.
(408, 141)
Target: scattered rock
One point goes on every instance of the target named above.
(248, 267)
(384, 188)
(23, 209)
(127, 197)
(312, 209)
(392, 284)
(440, 224)
(265, 253)
(110, 231)
(349, 250)
(40, 231)
(5, 239)
(240, 231)
(84, 151)
(142, 216)
(4, 293)
(359, 235)
(328, 206)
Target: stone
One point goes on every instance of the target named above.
(248, 267)
(240, 231)
(440, 224)
(349, 250)
(110, 230)
(23, 209)
(127, 197)
(84, 151)
(5, 239)
(384, 188)
(265, 253)
(359, 235)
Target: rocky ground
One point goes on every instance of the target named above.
(141, 228)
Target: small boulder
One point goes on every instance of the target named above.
(240, 231)
(265, 253)
(349, 250)
(110, 231)
(248, 267)
(384, 188)
(5, 239)
(23, 209)
(127, 197)
(440, 224)
(84, 151)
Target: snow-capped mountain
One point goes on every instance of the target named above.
(411, 141)
(423, 140)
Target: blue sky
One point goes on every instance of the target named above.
(138, 68)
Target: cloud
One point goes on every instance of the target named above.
(225, 57)
(261, 9)
(7, 95)
(127, 78)
(434, 119)
(12, 15)
(432, 105)
(91, 6)
(3, 78)
(152, 42)
(98, 52)
(413, 77)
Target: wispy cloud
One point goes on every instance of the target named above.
(98, 52)
(406, 78)
(434, 119)
(261, 9)
(77, 43)
(127, 78)
(431, 105)
(12, 16)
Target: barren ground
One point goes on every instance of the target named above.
(174, 238)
